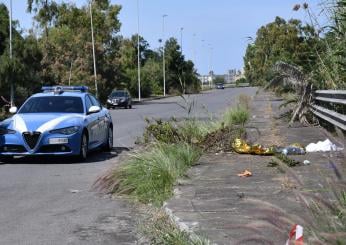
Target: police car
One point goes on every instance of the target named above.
(60, 121)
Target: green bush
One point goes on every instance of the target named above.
(161, 131)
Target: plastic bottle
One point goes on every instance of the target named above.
(292, 150)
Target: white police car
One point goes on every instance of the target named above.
(64, 121)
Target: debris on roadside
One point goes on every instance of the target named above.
(323, 146)
(245, 173)
(221, 139)
(296, 235)
(293, 149)
(240, 146)
(75, 191)
(306, 162)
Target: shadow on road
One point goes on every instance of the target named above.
(93, 157)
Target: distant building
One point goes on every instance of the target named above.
(231, 76)
(207, 79)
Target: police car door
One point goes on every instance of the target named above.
(92, 123)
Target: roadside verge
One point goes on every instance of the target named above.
(214, 202)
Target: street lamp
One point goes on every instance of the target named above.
(12, 85)
(181, 49)
(93, 44)
(194, 48)
(163, 54)
(138, 55)
(202, 42)
(181, 39)
(210, 63)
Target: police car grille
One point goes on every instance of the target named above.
(31, 138)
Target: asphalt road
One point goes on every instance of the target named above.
(50, 201)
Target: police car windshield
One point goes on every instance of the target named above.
(53, 104)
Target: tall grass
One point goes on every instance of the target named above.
(239, 115)
(149, 176)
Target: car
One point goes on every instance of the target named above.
(219, 86)
(59, 121)
(119, 98)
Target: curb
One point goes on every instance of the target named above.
(183, 226)
(136, 101)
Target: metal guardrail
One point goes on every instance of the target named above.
(333, 97)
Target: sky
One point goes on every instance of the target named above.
(214, 34)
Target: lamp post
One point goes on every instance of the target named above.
(93, 44)
(12, 85)
(163, 54)
(194, 48)
(138, 55)
(181, 49)
(210, 64)
(202, 42)
(181, 39)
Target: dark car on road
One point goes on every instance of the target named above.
(219, 86)
(119, 98)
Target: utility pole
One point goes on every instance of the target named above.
(93, 44)
(182, 68)
(138, 55)
(11, 75)
(163, 54)
(210, 64)
(181, 39)
(69, 78)
(202, 41)
(194, 48)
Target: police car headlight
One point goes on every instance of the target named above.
(66, 131)
(109, 101)
(4, 131)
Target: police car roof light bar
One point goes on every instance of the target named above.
(60, 89)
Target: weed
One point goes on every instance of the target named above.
(272, 163)
(161, 230)
(194, 132)
(188, 105)
(288, 161)
(149, 175)
(158, 130)
(239, 115)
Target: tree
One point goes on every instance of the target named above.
(67, 47)
(24, 66)
(181, 74)
(281, 40)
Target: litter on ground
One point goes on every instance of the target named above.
(306, 162)
(242, 147)
(323, 146)
(245, 173)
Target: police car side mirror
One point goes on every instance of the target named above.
(13, 110)
(94, 109)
